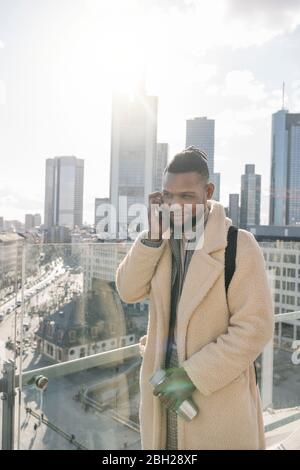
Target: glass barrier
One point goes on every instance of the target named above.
(71, 310)
(11, 253)
(280, 371)
(60, 308)
(286, 363)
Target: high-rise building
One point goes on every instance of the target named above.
(11, 245)
(98, 202)
(250, 197)
(37, 220)
(133, 149)
(200, 132)
(1, 224)
(233, 209)
(285, 169)
(160, 163)
(29, 221)
(216, 180)
(58, 234)
(64, 192)
(32, 221)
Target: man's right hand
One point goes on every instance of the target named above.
(155, 218)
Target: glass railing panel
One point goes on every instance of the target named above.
(282, 260)
(69, 310)
(280, 379)
(72, 311)
(286, 361)
(11, 261)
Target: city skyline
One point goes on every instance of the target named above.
(62, 104)
(97, 99)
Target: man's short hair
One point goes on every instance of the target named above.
(190, 159)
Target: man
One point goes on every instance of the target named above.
(209, 353)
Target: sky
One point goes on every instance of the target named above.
(61, 59)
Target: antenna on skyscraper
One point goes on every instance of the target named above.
(283, 89)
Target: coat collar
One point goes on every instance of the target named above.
(204, 270)
(215, 234)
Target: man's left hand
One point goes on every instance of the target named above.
(176, 388)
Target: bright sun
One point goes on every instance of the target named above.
(127, 53)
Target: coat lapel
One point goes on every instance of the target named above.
(206, 265)
(201, 275)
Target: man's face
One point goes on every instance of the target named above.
(185, 188)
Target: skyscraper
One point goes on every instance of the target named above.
(37, 220)
(200, 132)
(233, 209)
(250, 197)
(32, 221)
(285, 169)
(29, 221)
(133, 148)
(64, 192)
(216, 179)
(160, 163)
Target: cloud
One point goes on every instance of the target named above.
(246, 103)
(178, 77)
(14, 203)
(199, 26)
(202, 73)
(268, 12)
(9, 200)
(295, 96)
(232, 123)
(257, 22)
(244, 91)
(2, 92)
(2, 83)
(242, 83)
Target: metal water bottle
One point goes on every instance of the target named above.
(187, 410)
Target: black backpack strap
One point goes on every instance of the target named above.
(230, 255)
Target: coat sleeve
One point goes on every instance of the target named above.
(251, 323)
(134, 274)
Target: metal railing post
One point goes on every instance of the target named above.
(8, 405)
(267, 375)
